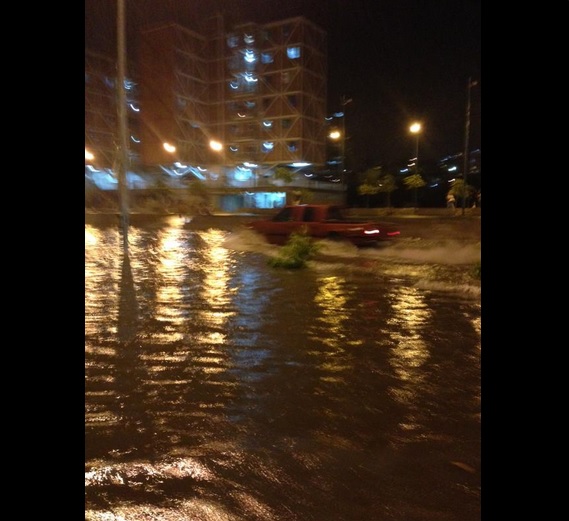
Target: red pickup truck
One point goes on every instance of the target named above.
(321, 221)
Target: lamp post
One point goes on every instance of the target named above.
(335, 135)
(415, 128)
(122, 120)
(217, 146)
(466, 165)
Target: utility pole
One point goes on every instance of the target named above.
(466, 166)
(122, 120)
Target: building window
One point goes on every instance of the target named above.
(267, 57)
(232, 41)
(293, 52)
(249, 56)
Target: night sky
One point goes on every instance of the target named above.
(398, 60)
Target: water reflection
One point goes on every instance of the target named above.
(219, 388)
(332, 299)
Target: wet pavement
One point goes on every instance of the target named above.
(218, 388)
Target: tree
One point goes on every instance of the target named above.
(369, 184)
(284, 174)
(388, 185)
(462, 191)
(414, 182)
(367, 190)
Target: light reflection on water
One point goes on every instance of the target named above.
(220, 388)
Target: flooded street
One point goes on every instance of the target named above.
(218, 388)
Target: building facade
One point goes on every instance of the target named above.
(228, 106)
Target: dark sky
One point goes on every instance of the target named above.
(398, 60)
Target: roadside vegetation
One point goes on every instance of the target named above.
(296, 252)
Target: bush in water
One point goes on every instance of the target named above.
(294, 254)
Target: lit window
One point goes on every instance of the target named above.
(293, 52)
(292, 146)
(268, 146)
(249, 78)
(249, 56)
(232, 40)
(267, 57)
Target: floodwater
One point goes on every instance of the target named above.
(218, 388)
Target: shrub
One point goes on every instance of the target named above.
(296, 252)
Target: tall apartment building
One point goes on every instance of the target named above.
(258, 90)
(101, 110)
(100, 107)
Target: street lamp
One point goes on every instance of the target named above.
(415, 128)
(336, 135)
(217, 146)
(169, 148)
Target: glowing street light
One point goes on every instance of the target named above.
(169, 148)
(335, 135)
(215, 145)
(415, 128)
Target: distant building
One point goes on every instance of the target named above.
(258, 91)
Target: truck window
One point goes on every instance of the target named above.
(335, 214)
(284, 215)
(308, 214)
